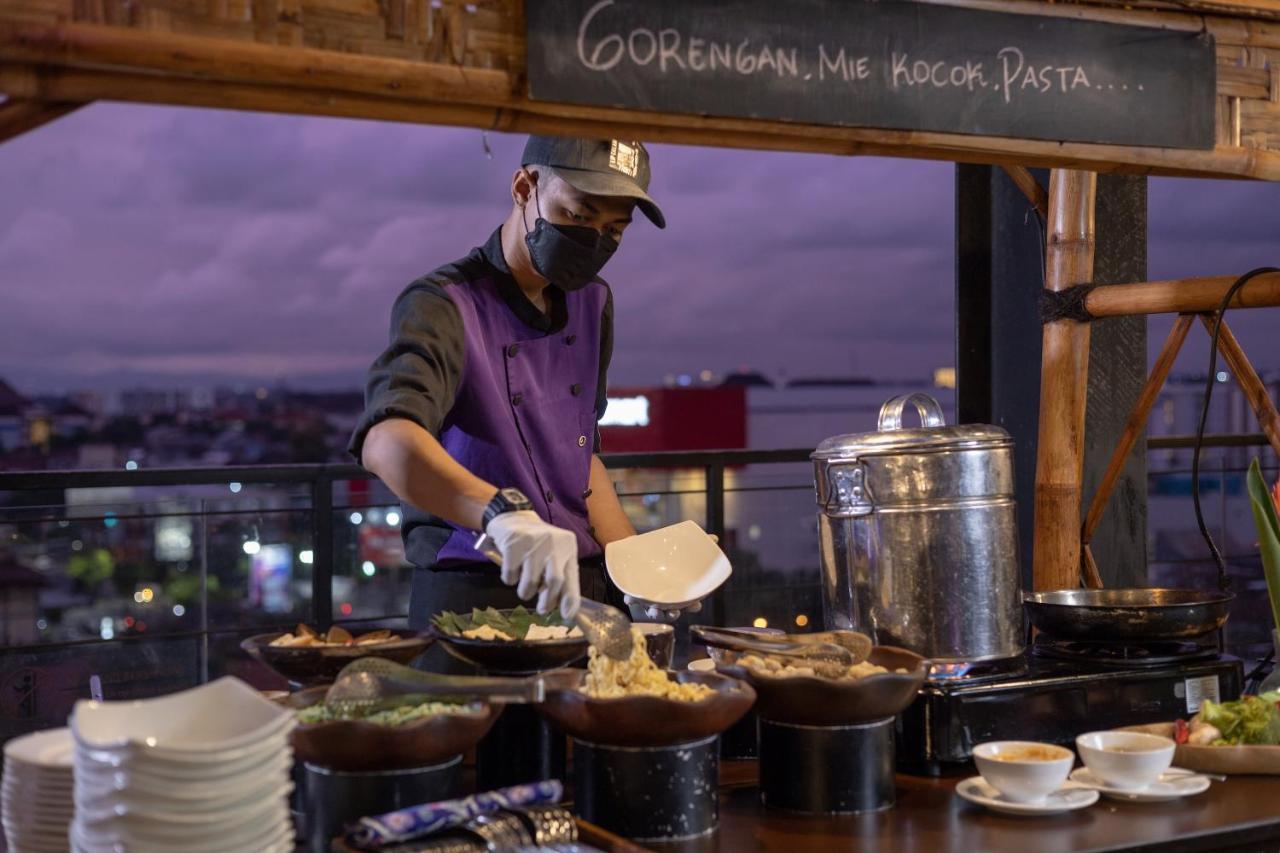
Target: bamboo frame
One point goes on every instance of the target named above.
(1254, 389)
(1064, 377)
(1030, 187)
(1135, 426)
(19, 115)
(1182, 296)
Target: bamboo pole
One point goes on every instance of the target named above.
(99, 47)
(1064, 376)
(1134, 427)
(1030, 187)
(1254, 389)
(1092, 577)
(20, 115)
(1182, 296)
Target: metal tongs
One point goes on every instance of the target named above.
(829, 653)
(369, 684)
(604, 627)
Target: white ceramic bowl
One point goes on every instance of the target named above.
(51, 748)
(165, 764)
(1022, 780)
(1126, 760)
(671, 567)
(214, 721)
(104, 782)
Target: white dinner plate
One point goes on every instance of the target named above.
(1069, 797)
(1173, 784)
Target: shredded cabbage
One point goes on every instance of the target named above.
(1248, 720)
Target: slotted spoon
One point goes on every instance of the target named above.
(369, 684)
(604, 627)
(826, 659)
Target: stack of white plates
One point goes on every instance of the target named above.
(36, 793)
(202, 771)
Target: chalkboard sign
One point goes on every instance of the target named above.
(879, 63)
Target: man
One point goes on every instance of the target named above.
(481, 412)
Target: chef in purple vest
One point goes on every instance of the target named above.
(481, 412)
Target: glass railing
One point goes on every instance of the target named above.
(151, 579)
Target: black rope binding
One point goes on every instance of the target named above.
(1066, 304)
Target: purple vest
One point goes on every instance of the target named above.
(524, 414)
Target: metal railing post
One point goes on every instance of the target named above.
(716, 524)
(322, 550)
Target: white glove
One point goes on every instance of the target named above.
(538, 558)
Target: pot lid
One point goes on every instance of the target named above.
(892, 438)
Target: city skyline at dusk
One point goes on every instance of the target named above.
(148, 246)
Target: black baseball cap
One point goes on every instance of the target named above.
(618, 167)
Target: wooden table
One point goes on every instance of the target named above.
(1242, 813)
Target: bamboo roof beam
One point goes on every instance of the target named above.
(19, 115)
(1030, 187)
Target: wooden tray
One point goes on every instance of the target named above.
(1231, 760)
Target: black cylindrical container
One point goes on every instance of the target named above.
(740, 739)
(663, 793)
(826, 769)
(334, 799)
(521, 747)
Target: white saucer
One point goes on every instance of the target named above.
(1172, 784)
(1069, 797)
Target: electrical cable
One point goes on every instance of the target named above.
(1224, 582)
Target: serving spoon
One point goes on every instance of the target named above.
(826, 659)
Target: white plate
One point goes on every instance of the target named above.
(50, 748)
(1067, 798)
(1173, 784)
(214, 720)
(236, 839)
(672, 566)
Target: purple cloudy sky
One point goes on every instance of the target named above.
(147, 245)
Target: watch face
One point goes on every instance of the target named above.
(515, 496)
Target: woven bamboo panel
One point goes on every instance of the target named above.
(489, 34)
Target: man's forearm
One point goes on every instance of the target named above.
(604, 511)
(420, 472)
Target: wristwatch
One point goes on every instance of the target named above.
(506, 500)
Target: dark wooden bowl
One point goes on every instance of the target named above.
(513, 656)
(640, 721)
(354, 746)
(805, 700)
(307, 665)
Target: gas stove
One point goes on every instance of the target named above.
(1057, 691)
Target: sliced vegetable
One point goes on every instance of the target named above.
(513, 623)
(1249, 720)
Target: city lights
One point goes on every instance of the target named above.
(179, 610)
(1223, 376)
(131, 465)
(356, 518)
(393, 518)
(306, 557)
(802, 620)
(252, 547)
(106, 628)
(368, 568)
(761, 622)
(235, 488)
(346, 608)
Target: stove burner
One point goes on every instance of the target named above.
(949, 671)
(1111, 655)
(967, 673)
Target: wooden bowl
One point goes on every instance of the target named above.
(641, 721)
(806, 700)
(307, 665)
(354, 746)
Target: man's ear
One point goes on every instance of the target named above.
(522, 184)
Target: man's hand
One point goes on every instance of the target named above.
(539, 558)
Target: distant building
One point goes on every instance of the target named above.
(13, 418)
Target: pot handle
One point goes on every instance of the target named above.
(930, 411)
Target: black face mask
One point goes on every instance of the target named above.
(568, 256)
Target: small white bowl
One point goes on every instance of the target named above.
(1023, 779)
(1126, 760)
(672, 567)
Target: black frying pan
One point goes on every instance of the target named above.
(1127, 615)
